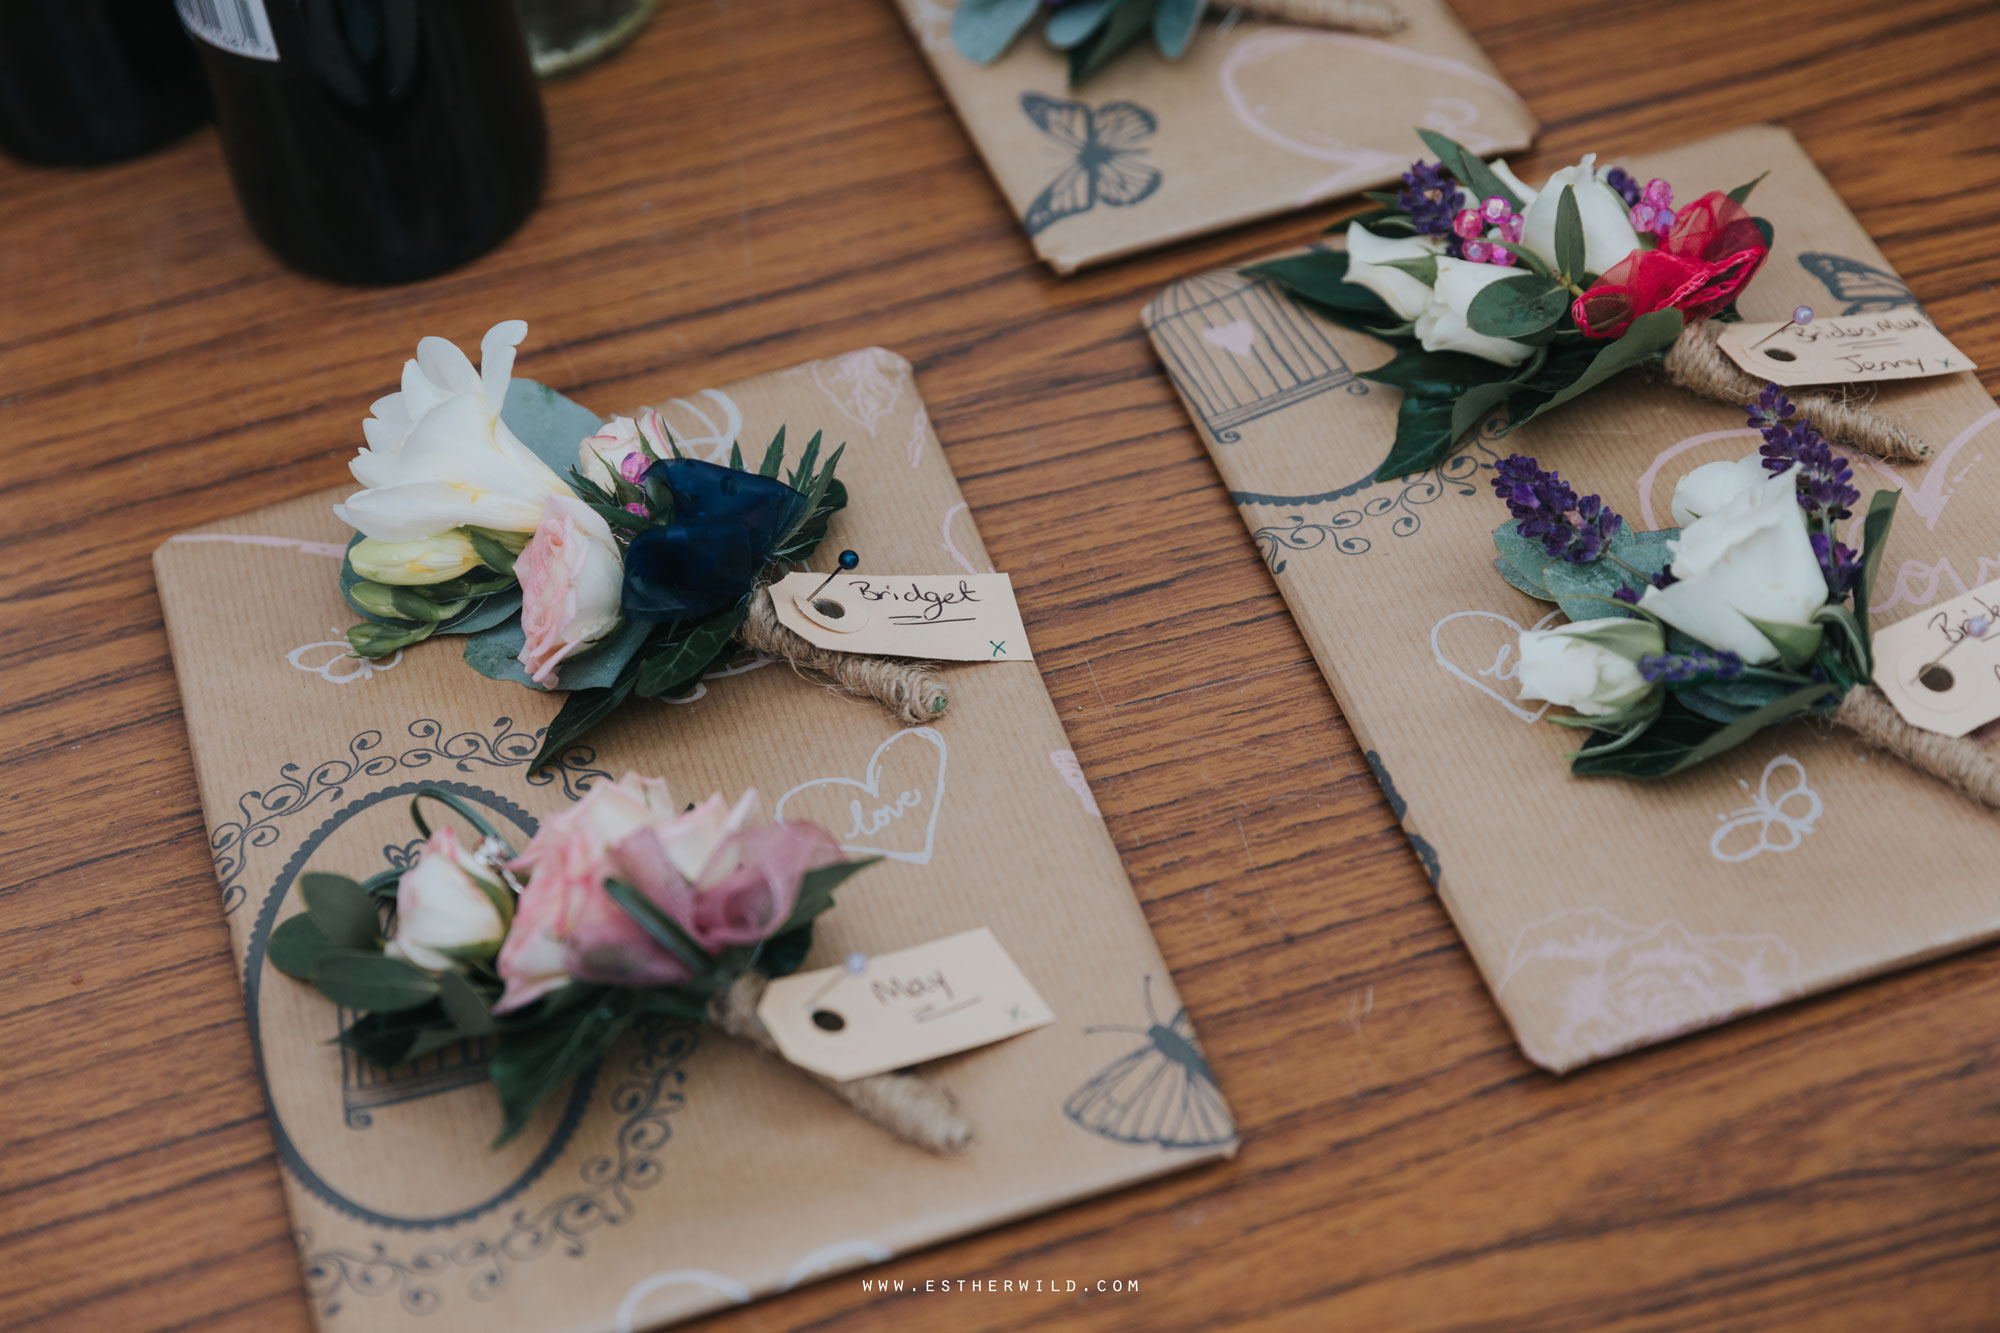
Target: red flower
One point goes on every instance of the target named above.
(1710, 255)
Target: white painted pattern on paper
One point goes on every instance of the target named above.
(1619, 985)
(866, 385)
(833, 1258)
(1777, 820)
(1072, 772)
(899, 822)
(340, 666)
(727, 1287)
(1504, 667)
(717, 432)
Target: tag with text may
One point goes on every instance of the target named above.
(944, 617)
(1849, 349)
(902, 1008)
(1941, 666)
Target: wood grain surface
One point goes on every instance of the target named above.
(753, 185)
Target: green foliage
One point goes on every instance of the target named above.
(1469, 168)
(343, 912)
(1569, 237)
(984, 29)
(1319, 278)
(1679, 738)
(1874, 538)
(1515, 307)
(368, 980)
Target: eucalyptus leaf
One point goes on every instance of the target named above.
(343, 911)
(551, 425)
(1526, 555)
(1128, 22)
(1645, 552)
(1525, 303)
(982, 30)
(1513, 575)
(1584, 592)
(1075, 21)
(495, 653)
(1174, 24)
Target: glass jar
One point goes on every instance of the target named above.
(564, 35)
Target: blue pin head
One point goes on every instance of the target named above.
(849, 560)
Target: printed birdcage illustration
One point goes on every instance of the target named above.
(1237, 350)
(365, 1088)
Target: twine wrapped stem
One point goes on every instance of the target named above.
(907, 689)
(912, 1107)
(1961, 764)
(1376, 18)
(1697, 364)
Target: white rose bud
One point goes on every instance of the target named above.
(1712, 485)
(1498, 166)
(449, 906)
(1368, 265)
(1590, 666)
(1752, 559)
(1442, 326)
(1607, 225)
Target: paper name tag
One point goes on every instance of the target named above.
(950, 617)
(1941, 666)
(1844, 349)
(902, 1008)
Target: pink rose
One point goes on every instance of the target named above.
(619, 448)
(571, 578)
(723, 883)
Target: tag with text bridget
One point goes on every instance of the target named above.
(942, 617)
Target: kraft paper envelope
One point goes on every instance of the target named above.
(689, 1172)
(1254, 119)
(1604, 913)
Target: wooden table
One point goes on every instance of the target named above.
(754, 185)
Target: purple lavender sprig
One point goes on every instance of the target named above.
(1825, 480)
(1431, 197)
(1689, 668)
(1546, 509)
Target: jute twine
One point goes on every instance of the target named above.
(1695, 363)
(1965, 765)
(906, 689)
(910, 1106)
(1374, 17)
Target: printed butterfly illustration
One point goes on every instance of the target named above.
(1791, 812)
(1104, 164)
(1159, 1093)
(1866, 289)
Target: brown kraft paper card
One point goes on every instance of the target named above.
(1255, 118)
(690, 1172)
(1604, 913)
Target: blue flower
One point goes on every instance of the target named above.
(725, 524)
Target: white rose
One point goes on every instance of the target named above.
(1713, 485)
(572, 581)
(603, 455)
(1368, 265)
(1750, 559)
(449, 905)
(1442, 326)
(1607, 226)
(1498, 166)
(438, 455)
(1590, 666)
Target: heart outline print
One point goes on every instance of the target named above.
(1500, 670)
(883, 816)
